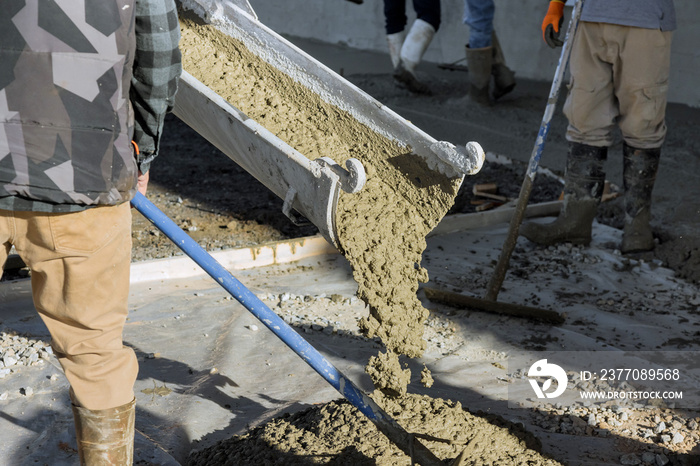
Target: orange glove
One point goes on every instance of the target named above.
(552, 23)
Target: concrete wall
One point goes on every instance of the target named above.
(517, 23)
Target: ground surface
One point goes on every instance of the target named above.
(221, 206)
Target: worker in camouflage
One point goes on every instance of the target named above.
(82, 84)
(65, 104)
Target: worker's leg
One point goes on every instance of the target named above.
(417, 41)
(583, 189)
(80, 282)
(6, 228)
(480, 67)
(641, 85)
(591, 110)
(395, 23)
(428, 11)
(591, 106)
(394, 16)
(478, 15)
(503, 77)
(484, 54)
(105, 436)
(639, 173)
(642, 81)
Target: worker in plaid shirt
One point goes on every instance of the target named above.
(84, 89)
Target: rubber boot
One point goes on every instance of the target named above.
(395, 41)
(583, 189)
(503, 77)
(479, 64)
(105, 437)
(417, 41)
(638, 176)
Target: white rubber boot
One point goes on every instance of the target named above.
(395, 42)
(417, 41)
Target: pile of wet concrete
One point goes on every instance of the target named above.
(337, 433)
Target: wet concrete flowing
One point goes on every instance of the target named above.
(381, 232)
(382, 228)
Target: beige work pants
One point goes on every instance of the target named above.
(80, 285)
(619, 77)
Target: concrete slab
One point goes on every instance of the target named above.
(209, 370)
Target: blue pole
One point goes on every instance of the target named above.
(287, 334)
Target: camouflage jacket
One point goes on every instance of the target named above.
(69, 74)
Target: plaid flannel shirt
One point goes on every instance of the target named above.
(157, 67)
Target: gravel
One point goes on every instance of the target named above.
(17, 353)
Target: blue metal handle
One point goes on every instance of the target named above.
(280, 328)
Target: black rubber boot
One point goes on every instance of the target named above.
(479, 64)
(409, 80)
(503, 77)
(639, 173)
(583, 189)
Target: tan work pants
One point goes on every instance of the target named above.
(619, 77)
(80, 285)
